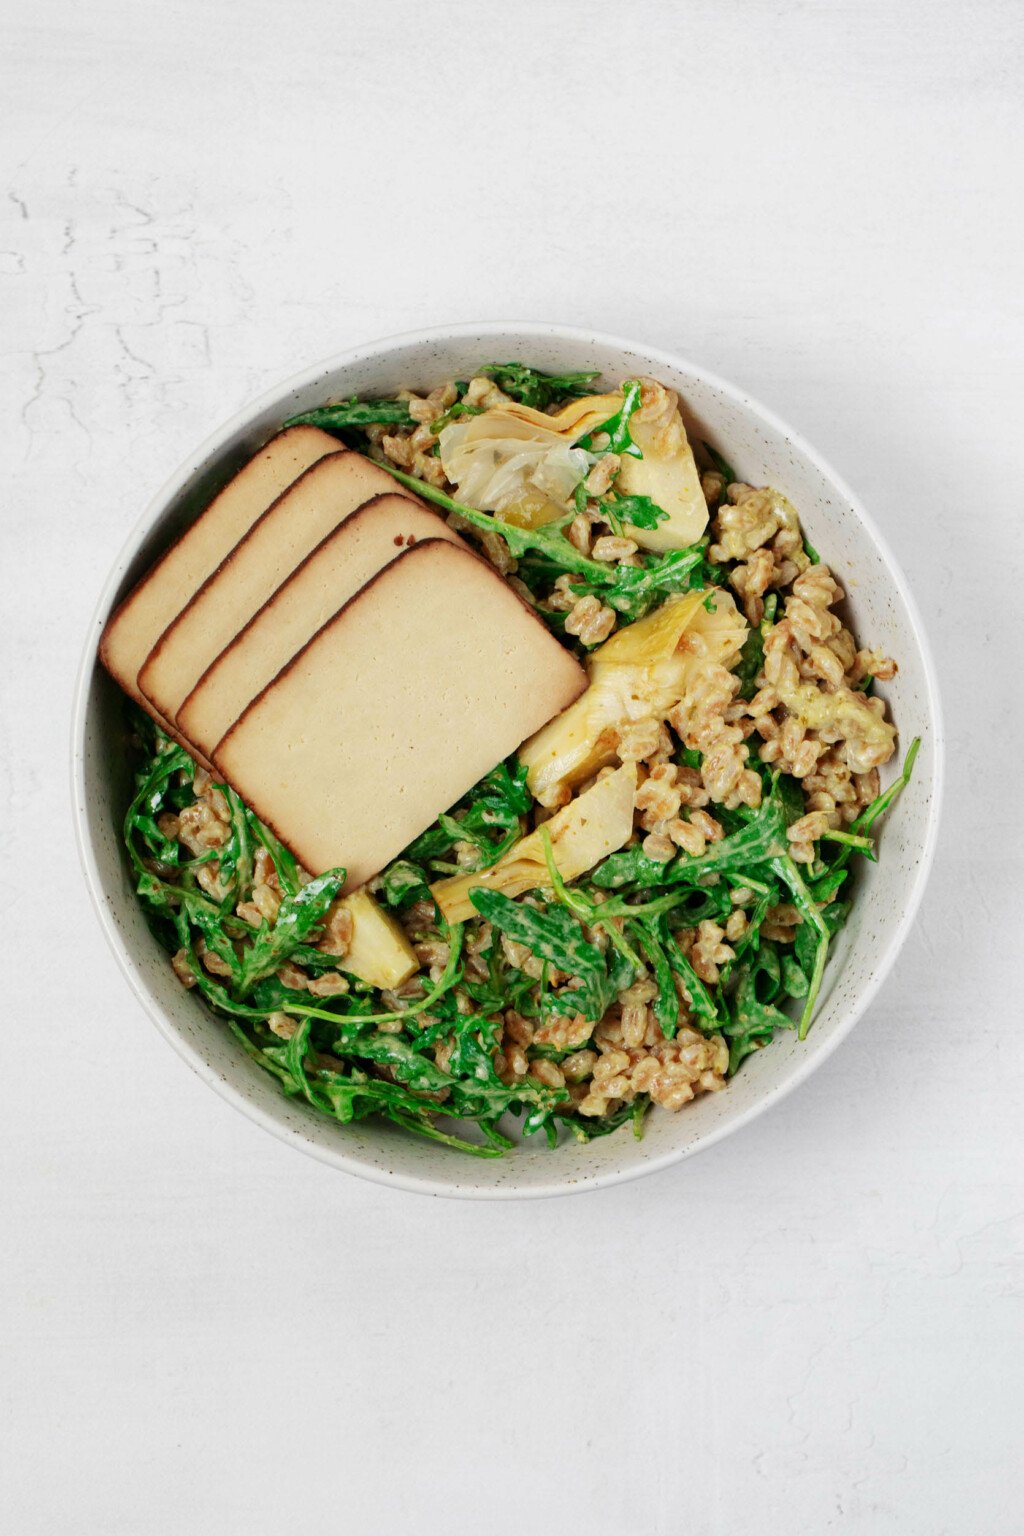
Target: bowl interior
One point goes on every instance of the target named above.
(762, 451)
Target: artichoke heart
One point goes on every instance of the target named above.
(596, 823)
(524, 464)
(514, 459)
(667, 472)
(379, 952)
(641, 672)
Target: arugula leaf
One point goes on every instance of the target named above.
(297, 917)
(354, 413)
(235, 867)
(870, 814)
(552, 935)
(858, 844)
(617, 427)
(209, 920)
(471, 1086)
(589, 1130)
(284, 860)
(270, 995)
(795, 981)
(805, 943)
(757, 841)
(754, 1016)
(548, 539)
(531, 387)
(455, 412)
(449, 978)
(622, 965)
(497, 804)
(630, 867)
(666, 1006)
(824, 887)
(687, 905)
(813, 920)
(421, 1126)
(634, 589)
(472, 1055)
(350, 1097)
(700, 998)
(639, 511)
(554, 1052)
(789, 797)
(751, 660)
(629, 589)
(725, 469)
(403, 881)
(504, 988)
(402, 1059)
(215, 994)
(760, 839)
(149, 801)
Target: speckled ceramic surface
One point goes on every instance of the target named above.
(762, 450)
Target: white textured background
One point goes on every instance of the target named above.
(818, 1325)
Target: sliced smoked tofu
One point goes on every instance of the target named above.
(286, 533)
(433, 673)
(374, 535)
(137, 624)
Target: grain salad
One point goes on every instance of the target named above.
(643, 894)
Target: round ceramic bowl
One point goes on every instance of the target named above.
(763, 451)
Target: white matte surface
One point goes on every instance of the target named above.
(814, 1326)
(886, 894)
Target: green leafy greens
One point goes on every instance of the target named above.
(630, 590)
(531, 387)
(347, 414)
(335, 1056)
(429, 1057)
(616, 428)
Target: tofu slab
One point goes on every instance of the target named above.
(375, 534)
(433, 673)
(137, 624)
(286, 533)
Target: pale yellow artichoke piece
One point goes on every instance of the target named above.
(520, 462)
(596, 823)
(532, 510)
(641, 672)
(575, 420)
(379, 952)
(524, 464)
(652, 639)
(667, 472)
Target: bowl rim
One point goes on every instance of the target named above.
(522, 332)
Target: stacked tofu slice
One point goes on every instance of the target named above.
(325, 643)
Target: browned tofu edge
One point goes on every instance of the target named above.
(138, 695)
(151, 570)
(363, 512)
(341, 453)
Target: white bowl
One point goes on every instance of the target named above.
(763, 451)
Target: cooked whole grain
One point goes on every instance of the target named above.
(810, 716)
